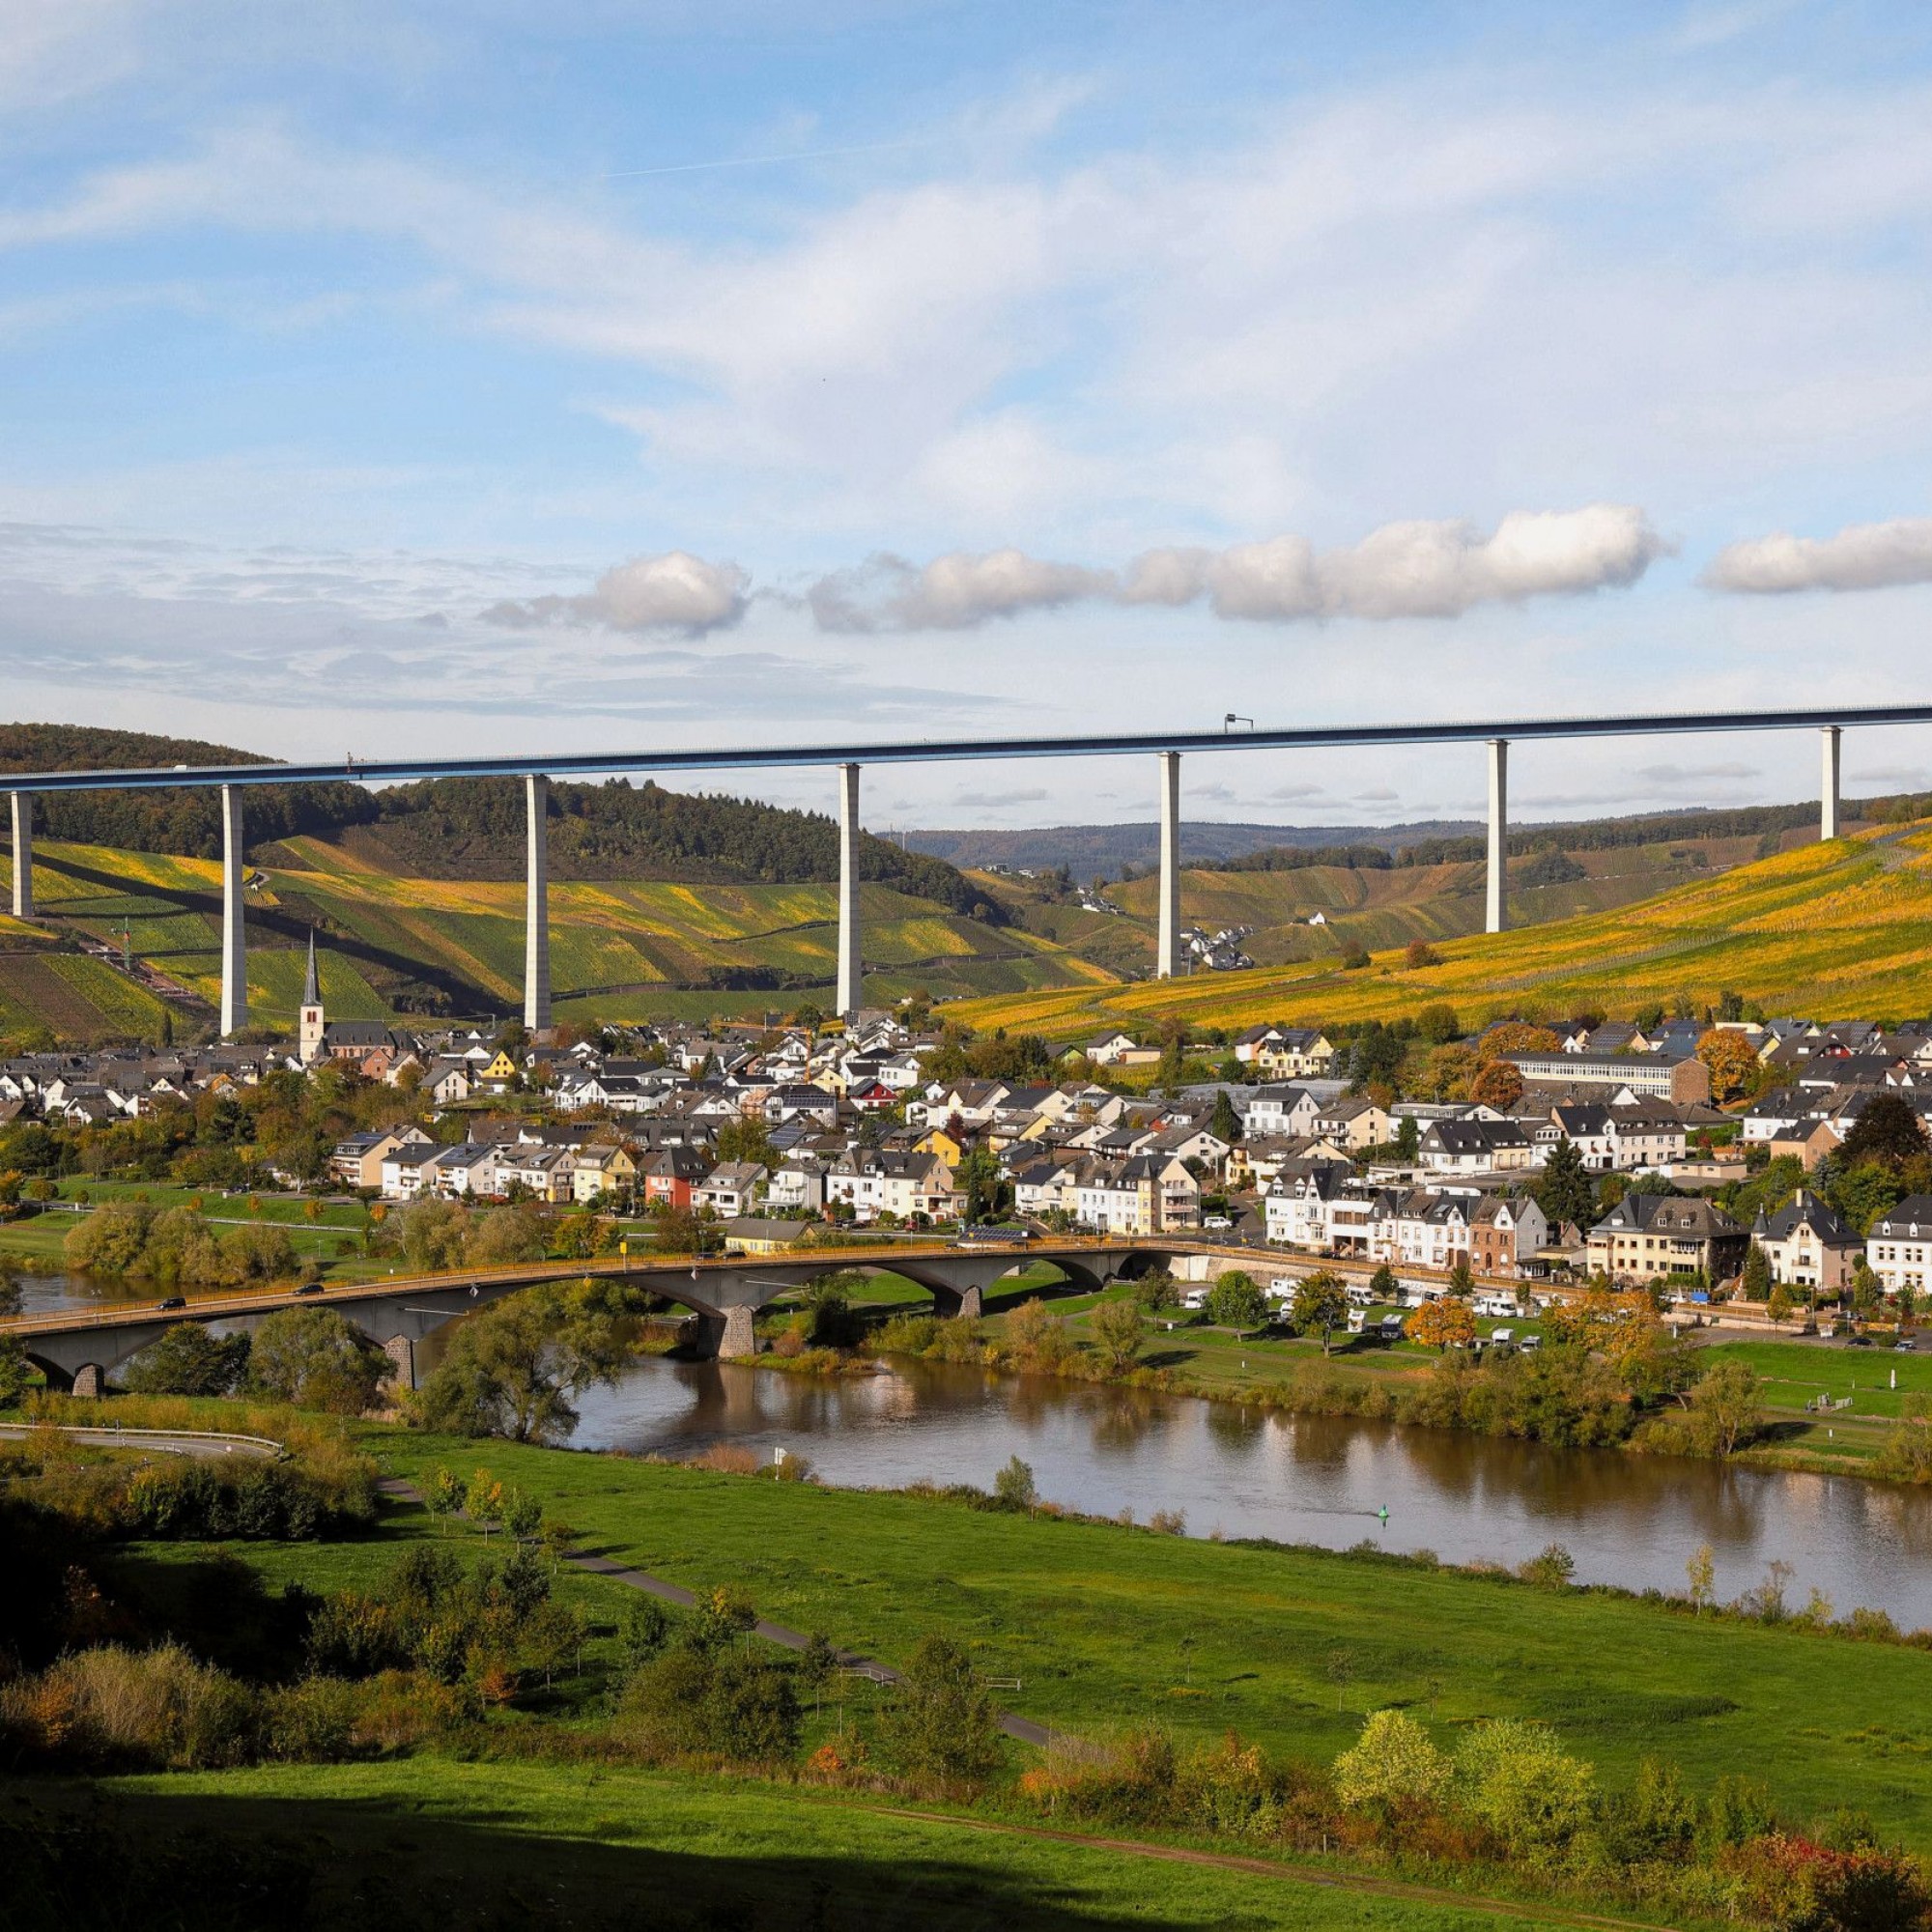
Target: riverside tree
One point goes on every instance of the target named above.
(1237, 1301)
(189, 1360)
(513, 1367)
(1118, 1328)
(315, 1360)
(1320, 1305)
(1447, 1323)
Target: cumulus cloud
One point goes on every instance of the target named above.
(1402, 570)
(1861, 557)
(952, 592)
(675, 591)
(1413, 568)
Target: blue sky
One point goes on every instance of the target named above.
(608, 375)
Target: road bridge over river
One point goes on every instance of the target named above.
(75, 1349)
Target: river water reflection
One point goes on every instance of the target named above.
(1627, 1519)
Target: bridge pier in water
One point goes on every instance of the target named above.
(233, 915)
(23, 854)
(1167, 955)
(536, 906)
(851, 971)
(1828, 790)
(1497, 920)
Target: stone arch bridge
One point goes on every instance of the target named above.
(77, 1349)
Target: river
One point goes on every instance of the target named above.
(1627, 1520)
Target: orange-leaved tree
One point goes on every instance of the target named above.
(1448, 1324)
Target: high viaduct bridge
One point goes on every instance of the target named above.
(77, 1349)
(849, 760)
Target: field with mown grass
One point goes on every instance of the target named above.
(428, 1841)
(1107, 1626)
(1838, 928)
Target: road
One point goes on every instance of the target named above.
(207, 1444)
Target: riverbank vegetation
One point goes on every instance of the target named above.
(1351, 1717)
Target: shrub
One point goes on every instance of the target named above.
(940, 1726)
(151, 1709)
(314, 1358)
(1013, 1487)
(1551, 1569)
(1036, 1337)
(1394, 1770)
(310, 1722)
(1517, 1780)
(188, 1360)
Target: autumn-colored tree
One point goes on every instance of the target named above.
(1448, 1071)
(1621, 1324)
(1448, 1324)
(1509, 1037)
(1420, 954)
(1733, 1063)
(1498, 1084)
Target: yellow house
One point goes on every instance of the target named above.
(950, 1147)
(602, 1170)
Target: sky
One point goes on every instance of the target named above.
(397, 378)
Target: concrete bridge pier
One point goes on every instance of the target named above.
(23, 854)
(233, 915)
(1167, 956)
(1828, 790)
(728, 1337)
(851, 971)
(90, 1381)
(1498, 897)
(968, 1302)
(401, 1351)
(537, 907)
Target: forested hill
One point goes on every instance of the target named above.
(463, 828)
(186, 823)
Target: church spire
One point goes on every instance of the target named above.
(311, 992)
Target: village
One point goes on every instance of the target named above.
(1592, 1153)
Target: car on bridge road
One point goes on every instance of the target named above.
(309, 1287)
(169, 1303)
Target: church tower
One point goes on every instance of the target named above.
(309, 1037)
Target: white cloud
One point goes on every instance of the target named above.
(1410, 569)
(1402, 570)
(672, 593)
(1861, 557)
(952, 593)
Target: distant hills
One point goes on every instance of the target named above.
(1109, 851)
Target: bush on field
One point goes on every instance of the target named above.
(114, 1708)
(188, 1359)
(314, 1358)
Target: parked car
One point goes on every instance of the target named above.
(1218, 1222)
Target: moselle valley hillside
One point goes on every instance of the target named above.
(671, 904)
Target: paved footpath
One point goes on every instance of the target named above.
(1024, 1729)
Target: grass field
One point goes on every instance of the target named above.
(1106, 1627)
(459, 1844)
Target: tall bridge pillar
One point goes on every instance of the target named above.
(1166, 959)
(851, 972)
(536, 906)
(23, 854)
(1497, 920)
(233, 915)
(1828, 791)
